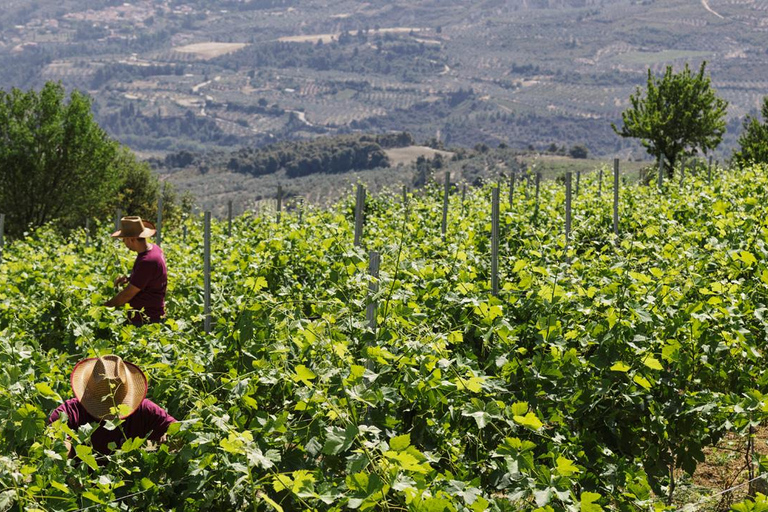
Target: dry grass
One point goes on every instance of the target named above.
(411, 153)
(724, 467)
(210, 50)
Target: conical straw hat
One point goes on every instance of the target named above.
(101, 383)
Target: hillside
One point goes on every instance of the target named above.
(170, 75)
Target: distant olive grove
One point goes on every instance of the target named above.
(325, 155)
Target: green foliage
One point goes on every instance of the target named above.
(323, 155)
(579, 151)
(753, 142)
(57, 164)
(678, 115)
(55, 160)
(140, 188)
(135, 128)
(582, 386)
(361, 53)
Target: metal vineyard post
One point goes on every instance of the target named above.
(661, 171)
(495, 240)
(159, 234)
(2, 234)
(616, 196)
(207, 272)
(301, 209)
(373, 288)
(229, 218)
(512, 178)
(279, 202)
(578, 182)
(359, 211)
(568, 178)
(405, 202)
(118, 216)
(536, 208)
(600, 183)
(446, 191)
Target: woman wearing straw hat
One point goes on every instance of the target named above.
(105, 388)
(145, 288)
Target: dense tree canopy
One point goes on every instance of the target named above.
(55, 160)
(753, 142)
(679, 114)
(57, 163)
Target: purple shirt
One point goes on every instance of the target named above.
(151, 277)
(149, 420)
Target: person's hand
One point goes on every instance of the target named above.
(121, 281)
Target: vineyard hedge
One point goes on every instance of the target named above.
(599, 374)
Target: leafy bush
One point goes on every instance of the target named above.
(753, 141)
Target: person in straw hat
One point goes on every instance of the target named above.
(107, 387)
(145, 288)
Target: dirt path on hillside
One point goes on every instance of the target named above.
(707, 7)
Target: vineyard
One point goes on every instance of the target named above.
(594, 380)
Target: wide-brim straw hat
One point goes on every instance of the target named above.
(134, 227)
(101, 383)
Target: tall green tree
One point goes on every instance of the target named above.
(55, 160)
(57, 163)
(753, 142)
(677, 115)
(140, 188)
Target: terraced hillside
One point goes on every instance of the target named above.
(169, 75)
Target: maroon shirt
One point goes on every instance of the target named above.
(151, 277)
(149, 421)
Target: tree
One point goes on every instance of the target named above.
(579, 151)
(55, 160)
(679, 114)
(57, 163)
(753, 141)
